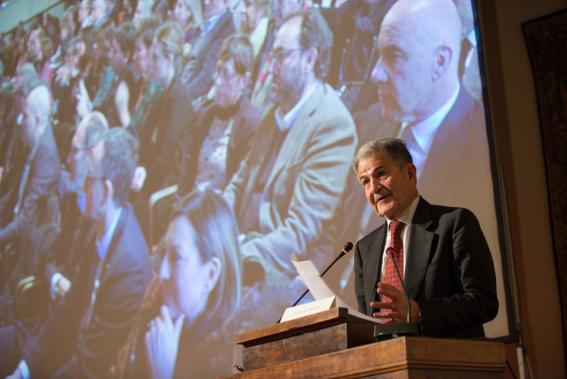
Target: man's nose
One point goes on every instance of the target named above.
(164, 269)
(378, 73)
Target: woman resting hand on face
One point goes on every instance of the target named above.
(185, 326)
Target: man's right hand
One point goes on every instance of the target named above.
(62, 286)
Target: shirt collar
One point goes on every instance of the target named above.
(103, 244)
(407, 215)
(285, 122)
(424, 131)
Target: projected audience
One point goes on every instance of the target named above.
(252, 116)
(189, 310)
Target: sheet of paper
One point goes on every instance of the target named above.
(319, 288)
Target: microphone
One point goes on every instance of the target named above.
(346, 249)
(408, 328)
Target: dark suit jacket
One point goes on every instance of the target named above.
(41, 183)
(168, 118)
(449, 271)
(203, 57)
(76, 350)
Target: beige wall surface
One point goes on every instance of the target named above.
(21, 10)
(520, 156)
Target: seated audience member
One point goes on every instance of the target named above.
(287, 190)
(151, 89)
(185, 326)
(262, 76)
(58, 268)
(161, 134)
(40, 171)
(221, 132)
(82, 336)
(37, 40)
(127, 88)
(441, 252)
(198, 69)
(254, 22)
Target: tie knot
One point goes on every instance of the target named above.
(396, 228)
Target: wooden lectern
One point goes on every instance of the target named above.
(334, 344)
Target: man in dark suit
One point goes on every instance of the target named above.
(440, 252)
(41, 169)
(82, 337)
(217, 25)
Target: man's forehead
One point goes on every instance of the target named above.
(288, 34)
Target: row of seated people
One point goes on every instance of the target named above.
(283, 184)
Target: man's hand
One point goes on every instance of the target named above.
(62, 287)
(395, 300)
(138, 179)
(162, 344)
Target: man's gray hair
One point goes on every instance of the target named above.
(119, 162)
(395, 148)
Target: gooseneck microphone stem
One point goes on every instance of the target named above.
(346, 248)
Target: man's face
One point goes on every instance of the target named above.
(403, 72)
(95, 185)
(78, 158)
(250, 16)
(160, 64)
(389, 188)
(142, 58)
(182, 13)
(229, 84)
(99, 9)
(288, 65)
(34, 45)
(116, 55)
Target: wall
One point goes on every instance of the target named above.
(21, 10)
(519, 152)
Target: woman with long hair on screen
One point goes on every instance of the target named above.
(185, 326)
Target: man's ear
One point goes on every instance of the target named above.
(443, 59)
(312, 54)
(412, 172)
(214, 269)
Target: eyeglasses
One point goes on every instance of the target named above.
(280, 54)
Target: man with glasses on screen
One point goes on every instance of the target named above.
(287, 190)
(439, 252)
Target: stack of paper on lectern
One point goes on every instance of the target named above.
(325, 298)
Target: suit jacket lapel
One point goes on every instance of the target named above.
(419, 248)
(374, 259)
(296, 137)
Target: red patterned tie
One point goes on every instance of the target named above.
(390, 275)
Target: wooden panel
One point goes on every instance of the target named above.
(404, 357)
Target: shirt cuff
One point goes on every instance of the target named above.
(24, 370)
(54, 279)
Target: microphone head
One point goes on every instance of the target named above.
(390, 250)
(347, 247)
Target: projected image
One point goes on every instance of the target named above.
(239, 121)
